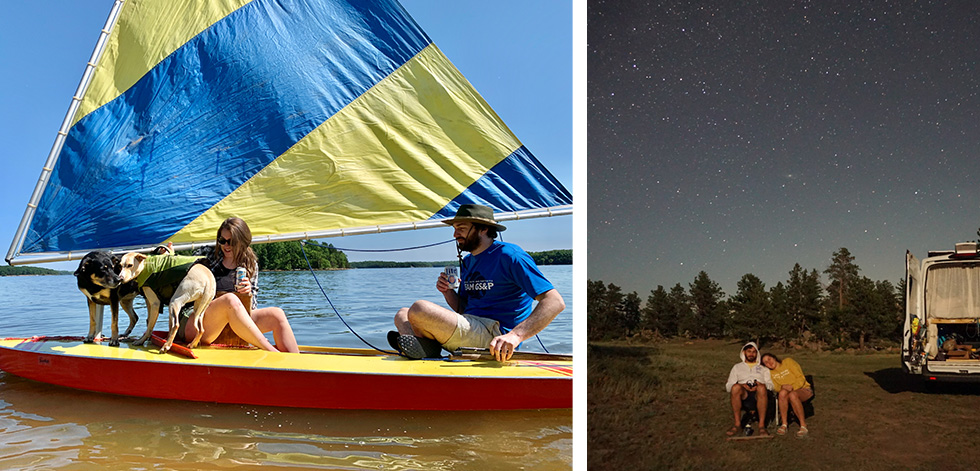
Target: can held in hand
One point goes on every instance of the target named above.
(452, 275)
(240, 274)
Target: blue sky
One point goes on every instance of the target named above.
(517, 54)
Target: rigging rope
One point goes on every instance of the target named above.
(392, 250)
(459, 255)
(302, 246)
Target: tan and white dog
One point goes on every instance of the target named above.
(173, 280)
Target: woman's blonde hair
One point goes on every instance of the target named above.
(241, 239)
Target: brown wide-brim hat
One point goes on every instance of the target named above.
(477, 213)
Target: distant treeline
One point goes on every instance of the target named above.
(550, 257)
(289, 255)
(16, 271)
(851, 310)
(385, 264)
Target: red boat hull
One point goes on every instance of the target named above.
(192, 380)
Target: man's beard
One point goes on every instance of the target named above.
(470, 243)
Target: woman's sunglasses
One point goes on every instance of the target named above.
(222, 241)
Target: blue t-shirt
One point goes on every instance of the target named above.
(501, 283)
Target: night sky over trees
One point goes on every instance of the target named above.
(746, 137)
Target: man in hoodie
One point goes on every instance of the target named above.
(749, 378)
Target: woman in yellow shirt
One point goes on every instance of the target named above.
(791, 386)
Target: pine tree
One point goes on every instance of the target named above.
(598, 309)
(707, 302)
(629, 313)
(751, 311)
(892, 311)
(803, 299)
(680, 312)
(781, 318)
(842, 273)
(659, 314)
(861, 314)
(811, 299)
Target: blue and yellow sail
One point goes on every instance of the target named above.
(296, 115)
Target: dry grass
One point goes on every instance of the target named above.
(664, 406)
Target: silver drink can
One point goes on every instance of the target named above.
(240, 274)
(452, 275)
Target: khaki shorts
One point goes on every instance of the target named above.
(472, 331)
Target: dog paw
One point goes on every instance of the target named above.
(114, 343)
(89, 340)
(165, 347)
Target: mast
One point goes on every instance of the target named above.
(59, 141)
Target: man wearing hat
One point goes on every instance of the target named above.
(494, 306)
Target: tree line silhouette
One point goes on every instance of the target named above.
(850, 310)
(548, 257)
(288, 255)
(19, 271)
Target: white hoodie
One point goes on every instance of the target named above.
(743, 372)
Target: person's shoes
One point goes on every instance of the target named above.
(393, 340)
(802, 432)
(414, 347)
(732, 431)
(781, 430)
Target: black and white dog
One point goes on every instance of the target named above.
(98, 279)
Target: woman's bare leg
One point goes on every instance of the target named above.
(274, 319)
(229, 310)
(796, 398)
(784, 406)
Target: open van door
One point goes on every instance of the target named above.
(914, 319)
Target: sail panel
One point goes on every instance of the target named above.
(400, 152)
(322, 117)
(516, 183)
(148, 32)
(211, 115)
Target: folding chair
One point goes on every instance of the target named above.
(807, 404)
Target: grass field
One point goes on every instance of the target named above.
(664, 406)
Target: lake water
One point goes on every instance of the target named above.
(49, 427)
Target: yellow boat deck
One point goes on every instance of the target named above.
(325, 359)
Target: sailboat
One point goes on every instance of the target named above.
(308, 119)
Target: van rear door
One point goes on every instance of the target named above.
(913, 308)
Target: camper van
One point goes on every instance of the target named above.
(942, 315)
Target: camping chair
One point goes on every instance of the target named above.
(807, 404)
(750, 410)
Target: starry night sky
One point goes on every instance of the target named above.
(743, 137)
